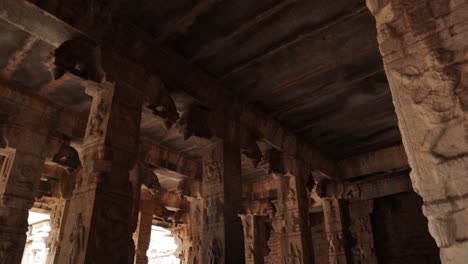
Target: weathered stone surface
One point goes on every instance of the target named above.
(99, 225)
(424, 49)
(335, 232)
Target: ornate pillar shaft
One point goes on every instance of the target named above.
(360, 228)
(196, 224)
(293, 211)
(252, 239)
(99, 226)
(24, 130)
(142, 235)
(222, 185)
(58, 218)
(335, 233)
(424, 50)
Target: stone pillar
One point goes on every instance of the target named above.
(223, 240)
(334, 228)
(196, 223)
(253, 238)
(181, 235)
(24, 129)
(292, 220)
(58, 218)
(424, 50)
(142, 235)
(360, 228)
(98, 229)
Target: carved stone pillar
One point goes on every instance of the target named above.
(293, 208)
(254, 235)
(196, 223)
(360, 229)
(181, 235)
(142, 236)
(335, 233)
(424, 49)
(222, 193)
(99, 227)
(24, 129)
(58, 218)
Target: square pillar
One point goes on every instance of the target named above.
(360, 228)
(142, 236)
(99, 225)
(335, 233)
(223, 240)
(290, 224)
(25, 124)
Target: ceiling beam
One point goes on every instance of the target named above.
(181, 23)
(16, 59)
(383, 160)
(221, 43)
(332, 86)
(252, 61)
(129, 53)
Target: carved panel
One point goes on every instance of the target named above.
(7, 157)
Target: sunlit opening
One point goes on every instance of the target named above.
(162, 247)
(36, 248)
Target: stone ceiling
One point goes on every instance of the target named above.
(312, 65)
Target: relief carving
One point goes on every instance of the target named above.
(111, 226)
(215, 252)
(436, 93)
(214, 210)
(213, 170)
(77, 238)
(294, 255)
(96, 121)
(335, 243)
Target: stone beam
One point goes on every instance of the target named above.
(66, 121)
(369, 188)
(159, 156)
(185, 20)
(165, 64)
(382, 160)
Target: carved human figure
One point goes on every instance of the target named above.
(213, 170)
(214, 252)
(294, 255)
(77, 239)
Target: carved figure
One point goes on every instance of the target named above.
(95, 125)
(213, 170)
(77, 239)
(270, 210)
(294, 255)
(214, 252)
(79, 56)
(291, 198)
